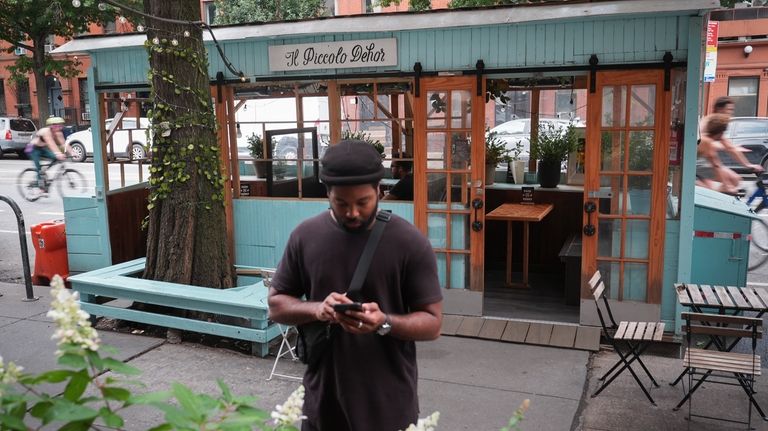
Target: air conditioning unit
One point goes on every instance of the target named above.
(20, 51)
(49, 47)
(85, 116)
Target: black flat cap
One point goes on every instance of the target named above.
(351, 162)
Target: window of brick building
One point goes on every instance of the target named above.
(2, 98)
(23, 104)
(743, 90)
(85, 107)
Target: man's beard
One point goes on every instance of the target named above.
(364, 223)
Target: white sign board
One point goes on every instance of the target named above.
(333, 55)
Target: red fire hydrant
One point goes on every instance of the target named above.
(50, 240)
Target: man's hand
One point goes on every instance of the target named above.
(61, 156)
(755, 168)
(324, 312)
(362, 322)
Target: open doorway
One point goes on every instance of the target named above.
(517, 108)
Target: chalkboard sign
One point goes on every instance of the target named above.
(527, 195)
(245, 189)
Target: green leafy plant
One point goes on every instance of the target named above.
(496, 150)
(362, 136)
(256, 146)
(553, 144)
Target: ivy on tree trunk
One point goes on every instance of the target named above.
(187, 238)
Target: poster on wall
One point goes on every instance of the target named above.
(333, 55)
(710, 56)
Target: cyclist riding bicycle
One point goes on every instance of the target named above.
(760, 192)
(48, 143)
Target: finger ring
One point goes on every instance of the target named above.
(359, 324)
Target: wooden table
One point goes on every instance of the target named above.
(525, 213)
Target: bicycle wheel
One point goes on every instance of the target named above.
(71, 182)
(26, 183)
(758, 246)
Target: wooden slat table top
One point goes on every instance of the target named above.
(693, 290)
(520, 212)
(709, 295)
(752, 298)
(640, 331)
(722, 297)
(725, 299)
(621, 331)
(762, 294)
(738, 297)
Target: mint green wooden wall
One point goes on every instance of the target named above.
(615, 40)
(262, 226)
(87, 240)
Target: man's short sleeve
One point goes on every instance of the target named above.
(423, 285)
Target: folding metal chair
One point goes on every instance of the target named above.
(632, 337)
(286, 348)
(713, 365)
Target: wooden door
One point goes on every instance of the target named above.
(626, 185)
(449, 177)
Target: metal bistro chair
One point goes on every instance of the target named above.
(286, 348)
(632, 337)
(726, 367)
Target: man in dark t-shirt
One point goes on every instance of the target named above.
(403, 190)
(367, 380)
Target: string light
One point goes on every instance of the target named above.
(186, 33)
(122, 19)
(76, 3)
(102, 7)
(174, 42)
(140, 28)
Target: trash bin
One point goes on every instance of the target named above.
(50, 242)
(721, 228)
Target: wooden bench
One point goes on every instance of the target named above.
(248, 302)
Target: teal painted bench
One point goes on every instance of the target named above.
(121, 281)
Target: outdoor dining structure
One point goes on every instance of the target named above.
(626, 72)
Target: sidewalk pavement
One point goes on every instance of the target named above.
(475, 384)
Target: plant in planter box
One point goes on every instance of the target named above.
(256, 148)
(551, 149)
(496, 152)
(362, 136)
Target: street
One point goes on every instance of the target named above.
(44, 209)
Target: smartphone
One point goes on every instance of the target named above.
(354, 306)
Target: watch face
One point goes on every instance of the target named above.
(384, 329)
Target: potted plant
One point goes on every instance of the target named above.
(496, 152)
(362, 136)
(551, 149)
(256, 148)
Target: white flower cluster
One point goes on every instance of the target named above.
(9, 374)
(290, 412)
(429, 423)
(73, 326)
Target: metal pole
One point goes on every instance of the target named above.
(24, 252)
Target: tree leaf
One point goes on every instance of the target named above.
(120, 367)
(12, 422)
(77, 385)
(65, 411)
(73, 361)
(53, 376)
(225, 392)
(151, 398)
(188, 400)
(41, 409)
(77, 426)
(111, 419)
(114, 393)
(163, 427)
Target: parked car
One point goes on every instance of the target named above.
(127, 140)
(15, 134)
(287, 147)
(752, 134)
(519, 130)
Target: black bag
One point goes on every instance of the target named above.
(313, 341)
(315, 338)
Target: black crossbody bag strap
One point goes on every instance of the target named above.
(370, 248)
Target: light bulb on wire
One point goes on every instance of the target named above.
(76, 3)
(102, 7)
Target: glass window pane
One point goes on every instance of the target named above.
(635, 281)
(612, 151)
(643, 106)
(641, 151)
(614, 106)
(461, 109)
(441, 273)
(459, 271)
(636, 245)
(436, 150)
(436, 230)
(436, 189)
(437, 104)
(461, 150)
(609, 238)
(639, 195)
(459, 232)
(460, 190)
(610, 272)
(613, 185)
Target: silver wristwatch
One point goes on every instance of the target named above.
(385, 327)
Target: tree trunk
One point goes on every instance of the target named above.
(38, 57)
(187, 226)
